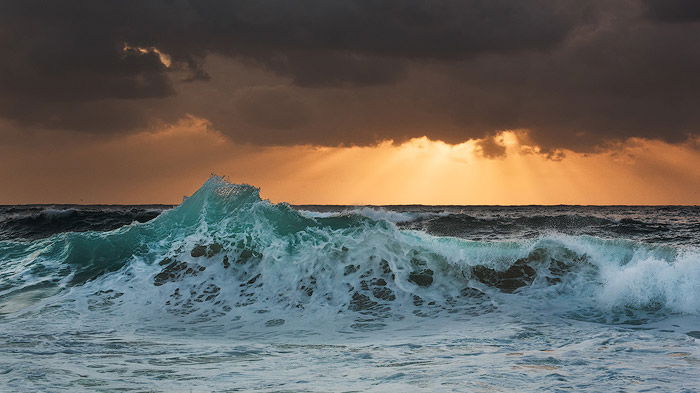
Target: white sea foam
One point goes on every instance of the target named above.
(228, 290)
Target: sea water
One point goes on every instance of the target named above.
(229, 292)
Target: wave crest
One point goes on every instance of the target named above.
(226, 253)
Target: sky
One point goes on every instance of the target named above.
(352, 101)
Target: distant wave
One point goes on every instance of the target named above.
(34, 222)
(377, 213)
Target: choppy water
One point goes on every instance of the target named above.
(228, 292)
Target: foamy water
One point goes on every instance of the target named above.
(228, 292)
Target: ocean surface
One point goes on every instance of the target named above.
(227, 292)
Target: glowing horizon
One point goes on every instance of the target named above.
(165, 165)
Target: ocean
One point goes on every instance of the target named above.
(228, 292)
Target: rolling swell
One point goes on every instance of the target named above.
(36, 222)
(226, 254)
(468, 226)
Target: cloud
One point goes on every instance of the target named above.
(490, 147)
(576, 74)
(272, 108)
(674, 10)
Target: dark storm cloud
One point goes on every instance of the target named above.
(578, 74)
(346, 69)
(674, 10)
(272, 108)
(73, 50)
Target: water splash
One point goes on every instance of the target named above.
(226, 254)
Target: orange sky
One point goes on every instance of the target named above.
(161, 167)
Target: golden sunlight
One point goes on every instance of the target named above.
(164, 58)
(160, 166)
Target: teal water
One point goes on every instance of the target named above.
(228, 292)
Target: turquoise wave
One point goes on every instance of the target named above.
(226, 253)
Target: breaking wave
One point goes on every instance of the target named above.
(226, 254)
